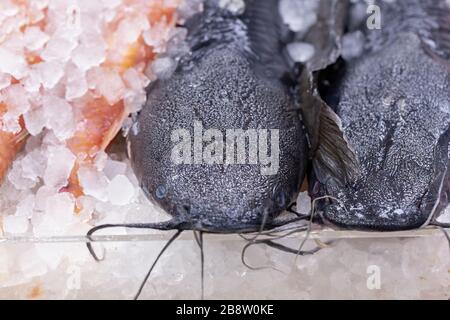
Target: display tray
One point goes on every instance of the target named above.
(351, 264)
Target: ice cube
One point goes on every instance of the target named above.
(120, 191)
(35, 39)
(445, 216)
(16, 99)
(59, 117)
(110, 85)
(32, 83)
(61, 206)
(100, 160)
(15, 224)
(76, 83)
(87, 206)
(10, 124)
(50, 73)
(34, 121)
(135, 80)
(163, 68)
(59, 166)
(16, 177)
(353, 45)
(33, 165)
(157, 37)
(58, 216)
(188, 8)
(300, 51)
(114, 168)
(299, 15)
(12, 63)
(303, 203)
(90, 53)
(58, 48)
(93, 182)
(25, 207)
(135, 100)
(41, 197)
(235, 6)
(131, 28)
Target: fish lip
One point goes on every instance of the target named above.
(413, 219)
(188, 217)
(219, 228)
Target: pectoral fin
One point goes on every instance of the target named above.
(331, 153)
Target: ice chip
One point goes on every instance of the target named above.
(163, 68)
(131, 28)
(76, 83)
(16, 99)
(59, 166)
(58, 217)
(59, 117)
(299, 15)
(300, 51)
(34, 121)
(87, 206)
(120, 191)
(90, 53)
(235, 6)
(93, 182)
(445, 216)
(114, 168)
(353, 45)
(41, 197)
(33, 165)
(58, 48)
(50, 73)
(35, 39)
(61, 206)
(135, 100)
(16, 177)
(110, 85)
(25, 207)
(135, 80)
(12, 63)
(32, 83)
(303, 203)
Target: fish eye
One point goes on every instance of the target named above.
(161, 192)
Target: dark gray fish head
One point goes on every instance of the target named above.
(395, 110)
(184, 149)
(181, 142)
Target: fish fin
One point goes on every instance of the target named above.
(266, 31)
(326, 34)
(331, 154)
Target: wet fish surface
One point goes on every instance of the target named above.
(394, 105)
(236, 77)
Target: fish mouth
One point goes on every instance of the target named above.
(374, 217)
